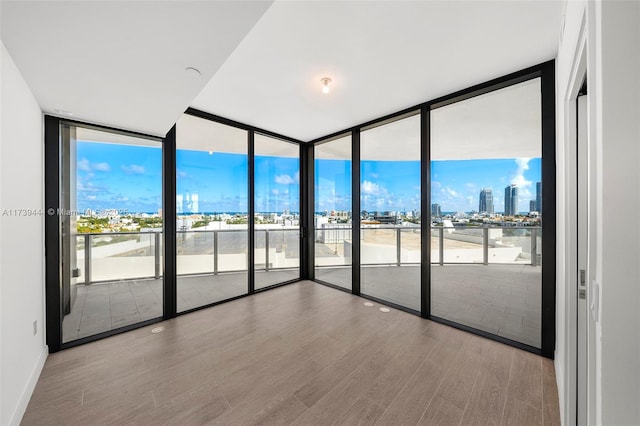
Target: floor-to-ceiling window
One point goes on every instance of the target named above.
(238, 224)
(211, 212)
(276, 211)
(333, 215)
(475, 163)
(110, 221)
(390, 216)
(487, 212)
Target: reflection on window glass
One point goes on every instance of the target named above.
(486, 194)
(212, 212)
(111, 231)
(390, 212)
(277, 211)
(332, 217)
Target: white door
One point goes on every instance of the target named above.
(582, 242)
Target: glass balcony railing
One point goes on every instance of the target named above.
(211, 252)
(138, 255)
(486, 245)
(119, 256)
(392, 245)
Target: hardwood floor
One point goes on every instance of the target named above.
(301, 354)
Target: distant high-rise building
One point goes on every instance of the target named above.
(532, 206)
(195, 207)
(539, 197)
(511, 200)
(187, 203)
(436, 211)
(179, 204)
(486, 201)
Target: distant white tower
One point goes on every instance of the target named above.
(194, 203)
(179, 200)
(486, 201)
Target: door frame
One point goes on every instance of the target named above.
(568, 379)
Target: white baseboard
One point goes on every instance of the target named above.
(561, 390)
(16, 417)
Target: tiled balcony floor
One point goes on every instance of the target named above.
(106, 306)
(500, 299)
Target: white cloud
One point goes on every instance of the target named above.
(133, 169)
(88, 187)
(524, 186)
(101, 167)
(368, 187)
(285, 180)
(84, 165)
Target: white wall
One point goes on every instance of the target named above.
(22, 354)
(617, 43)
(612, 30)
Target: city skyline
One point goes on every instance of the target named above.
(485, 204)
(511, 200)
(129, 178)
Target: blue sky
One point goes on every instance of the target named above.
(456, 185)
(114, 176)
(130, 177)
(395, 185)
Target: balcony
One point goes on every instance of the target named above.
(485, 278)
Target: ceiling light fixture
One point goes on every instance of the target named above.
(326, 81)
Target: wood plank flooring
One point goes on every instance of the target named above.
(302, 354)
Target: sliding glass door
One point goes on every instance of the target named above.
(436, 210)
(277, 211)
(487, 212)
(211, 212)
(333, 243)
(110, 218)
(390, 217)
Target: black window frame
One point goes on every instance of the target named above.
(545, 71)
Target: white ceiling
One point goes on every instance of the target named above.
(383, 56)
(122, 63)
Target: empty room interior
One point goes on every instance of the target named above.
(309, 212)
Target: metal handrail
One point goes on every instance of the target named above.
(439, 232)
(87, 239)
